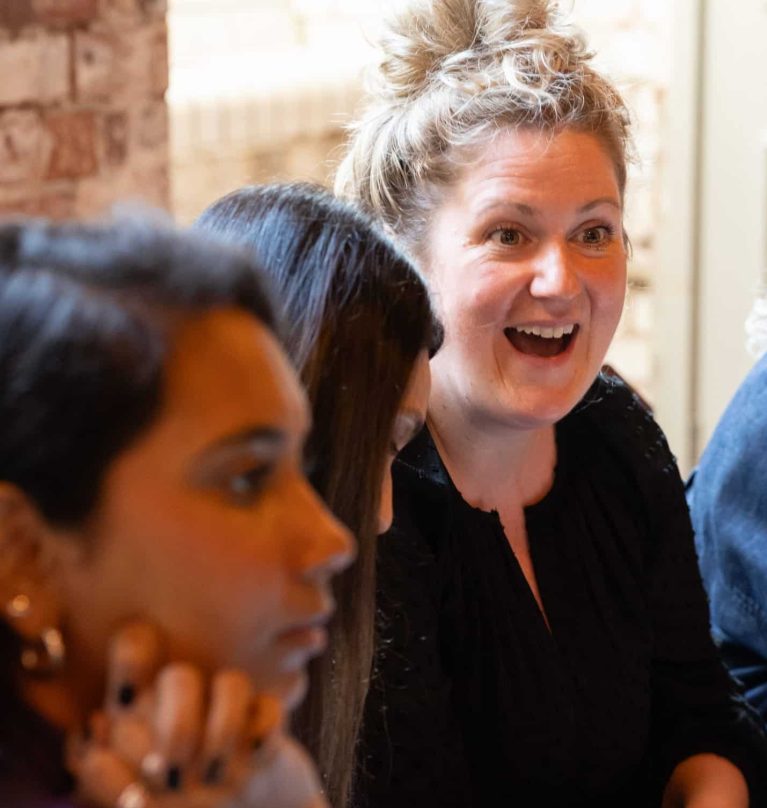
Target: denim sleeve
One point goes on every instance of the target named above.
(728, 504)
(751, 672)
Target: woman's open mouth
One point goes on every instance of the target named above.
(541, 341)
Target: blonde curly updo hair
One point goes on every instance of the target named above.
(454, 73)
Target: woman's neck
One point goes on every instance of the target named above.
(492, 464)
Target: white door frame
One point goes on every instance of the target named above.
(676, 287)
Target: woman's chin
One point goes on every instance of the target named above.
(291, 689)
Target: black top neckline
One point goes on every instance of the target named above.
(422, 458)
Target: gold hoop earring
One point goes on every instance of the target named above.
(18, 607)
(44, 654)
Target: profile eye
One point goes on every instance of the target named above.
(244, 486)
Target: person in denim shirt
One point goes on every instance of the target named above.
(727, 495)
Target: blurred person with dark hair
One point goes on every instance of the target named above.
(151, 450)
(359, 329)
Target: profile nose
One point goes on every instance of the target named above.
(327, 546)
(555, 275)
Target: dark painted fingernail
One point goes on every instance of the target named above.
(214, 771)
(256, 744)
(87, 732)
(173, 778)
(126, 695)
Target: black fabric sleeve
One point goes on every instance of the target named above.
(696, 707)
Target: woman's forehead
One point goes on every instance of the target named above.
(537, 162)
(225, 374)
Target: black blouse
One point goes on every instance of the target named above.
(476, 702)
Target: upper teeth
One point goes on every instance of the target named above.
(547, 333)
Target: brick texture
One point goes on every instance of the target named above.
(34, 69)
(15, 15)
(24, 146)
(83, 120)
(65, 12)
(51, 203)
(73, 153)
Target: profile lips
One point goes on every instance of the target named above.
(320, 621)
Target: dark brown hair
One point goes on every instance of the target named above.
(356, 317)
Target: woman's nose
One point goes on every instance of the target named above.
(555, 274)
(327, 546)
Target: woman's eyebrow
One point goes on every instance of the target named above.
(528, 210)
(603, 200)
(503, 206)
(264, 438)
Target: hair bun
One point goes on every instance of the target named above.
(454, 42)
(503, 21)
(419, 39)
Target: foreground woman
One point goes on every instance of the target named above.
(151, 454)
(542, 575)
(359, 329)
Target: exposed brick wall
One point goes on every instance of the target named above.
(83, 120)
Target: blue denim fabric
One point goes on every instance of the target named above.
(727, 495)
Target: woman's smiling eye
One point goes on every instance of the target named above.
(507, 236)
(597, 235)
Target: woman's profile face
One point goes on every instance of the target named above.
(527, 262)
(206, 524)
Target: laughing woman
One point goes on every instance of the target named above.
(541, 574)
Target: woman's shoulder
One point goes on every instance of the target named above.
(736, 447)
(613, 412)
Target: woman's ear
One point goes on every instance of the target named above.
(28, 595)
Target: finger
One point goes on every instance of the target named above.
(104, 780)
(96, 729)
(267, 718)
(177, 720)
(228, 721)
(135, 654)
(132, 738)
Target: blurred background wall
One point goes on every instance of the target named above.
(83, 119)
